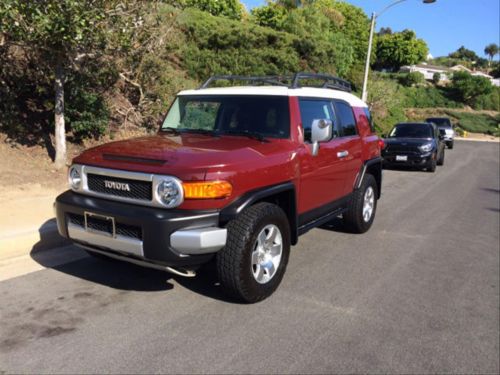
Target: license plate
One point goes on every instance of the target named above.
(100, 224)
(401, 158)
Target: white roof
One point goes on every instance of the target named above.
(311, 92)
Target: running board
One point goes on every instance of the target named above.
(320, 221)
(175, 271)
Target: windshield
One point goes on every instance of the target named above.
(440, 122)
(266, 116)
(411, 131)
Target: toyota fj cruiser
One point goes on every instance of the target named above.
(234, 173)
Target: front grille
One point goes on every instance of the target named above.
(140, 190)
(100, 225)
(402, 149)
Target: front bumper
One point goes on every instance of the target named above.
(174, 238)
(413, 160)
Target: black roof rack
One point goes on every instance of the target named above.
(325, 81)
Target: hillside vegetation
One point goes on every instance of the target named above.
(123, 61)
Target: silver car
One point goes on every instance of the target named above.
(445, 128)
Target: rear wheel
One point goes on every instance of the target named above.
(361, 212)
(252, 264)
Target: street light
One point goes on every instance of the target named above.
(364, 95)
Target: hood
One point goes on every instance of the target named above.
(187, 156)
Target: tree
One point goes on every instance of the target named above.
(226, 8)
(58, 34)
(464, 54)
(412, 79)
(398, 49)
(384, 31)
(271, 15)
(491, 51)
(467, 88)
(436, 78)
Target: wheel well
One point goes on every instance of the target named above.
(286, 201)
(375, 169)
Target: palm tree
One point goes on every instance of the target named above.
(491, 50)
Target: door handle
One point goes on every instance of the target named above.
(342, 154)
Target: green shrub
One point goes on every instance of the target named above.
(467, 88)
(436, 78)
(412, 79)
(86, 113)
(428, 97)
(476, 122)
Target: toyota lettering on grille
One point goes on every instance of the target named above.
(116, 185)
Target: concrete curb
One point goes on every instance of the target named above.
(29, 240)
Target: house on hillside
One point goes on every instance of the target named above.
(428, 71)
(445, 73)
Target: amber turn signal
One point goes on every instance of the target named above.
(207, 189)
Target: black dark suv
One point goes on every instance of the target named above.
(414, 144)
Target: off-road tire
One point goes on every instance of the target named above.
(234, 261)
(353, 218)
(441, 159)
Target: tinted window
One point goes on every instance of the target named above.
(441, 122)
(315, 109)
(370, 119)
(346, 117)
(266, 115)
(412, 131)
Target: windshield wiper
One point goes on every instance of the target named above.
(170, 130)
(247, 133)
(200, 131)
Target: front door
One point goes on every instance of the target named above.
(322, 176)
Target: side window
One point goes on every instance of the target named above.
(370, 119)
(314, 109)
(346, 117)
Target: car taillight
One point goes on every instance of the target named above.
(381, 143)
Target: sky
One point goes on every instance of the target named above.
(445, 25)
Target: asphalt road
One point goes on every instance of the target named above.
(419, 293)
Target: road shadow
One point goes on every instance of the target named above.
(335, 225)
(49, 237)
(491, 190)
(57, 253)
(403, 168)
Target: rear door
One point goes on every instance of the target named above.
(351, 145)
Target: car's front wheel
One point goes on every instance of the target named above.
(441, 158)
(431, 166)
(252, 264)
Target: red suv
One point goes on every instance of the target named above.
(234, 174)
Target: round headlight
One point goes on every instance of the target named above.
(74, 178)
(169, 192)
(426, 148)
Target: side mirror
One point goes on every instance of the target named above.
(321, 131)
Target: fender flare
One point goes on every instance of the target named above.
(232, 210)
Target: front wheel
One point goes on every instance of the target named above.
(451, 144)
(441, 159)
(361, 212)
(252, 264)
(431, 167)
